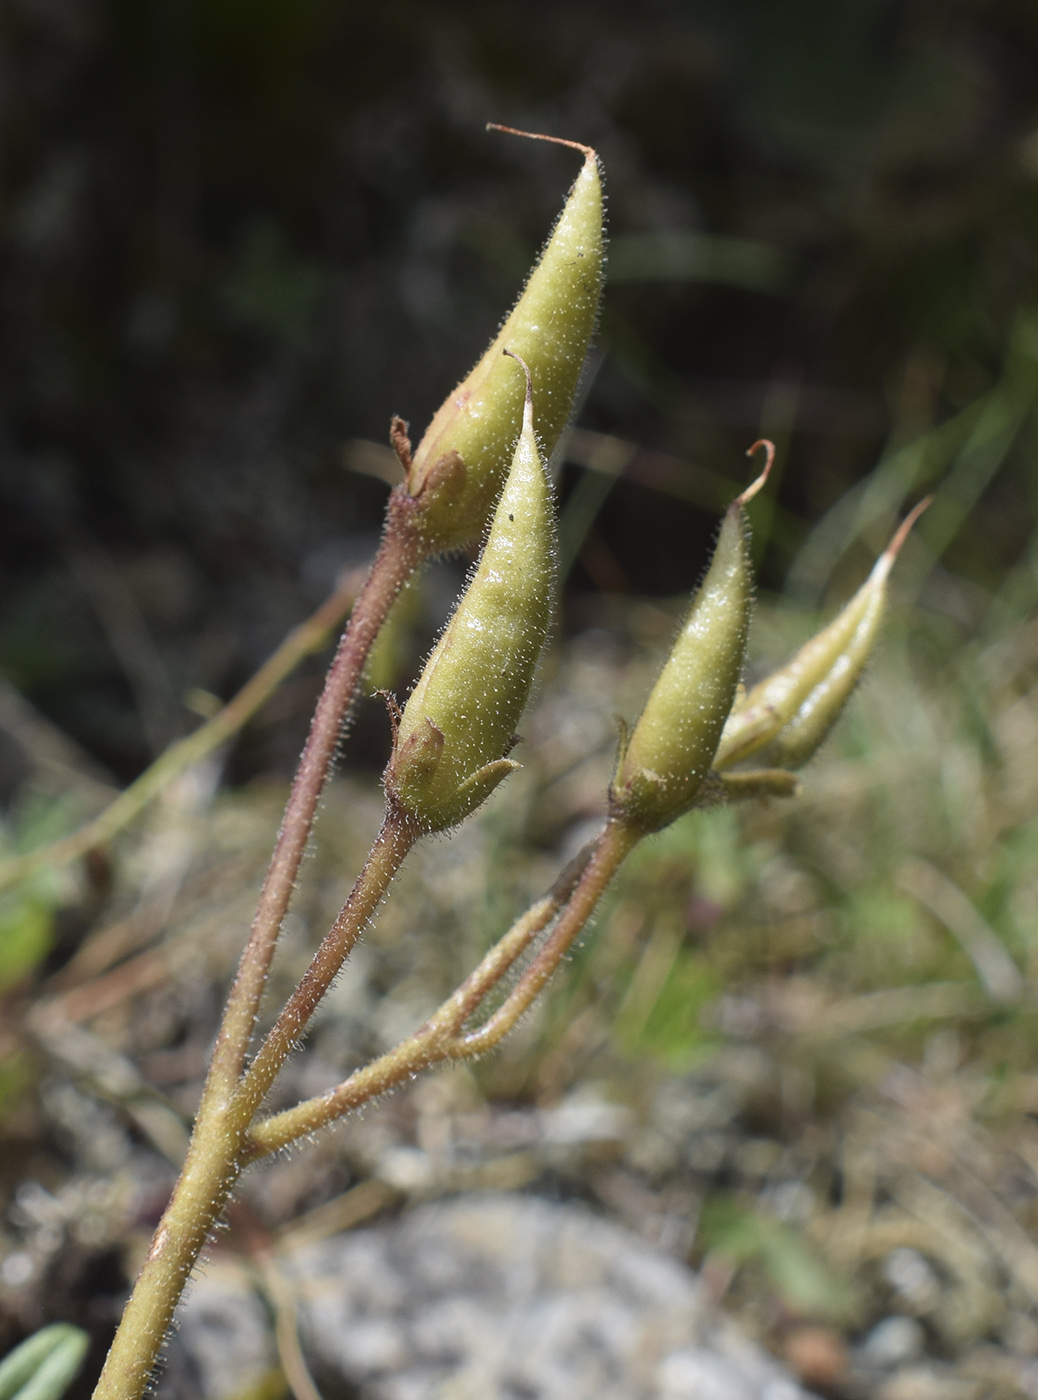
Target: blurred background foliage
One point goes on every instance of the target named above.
(235, 239)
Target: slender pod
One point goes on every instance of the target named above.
(466, 449)
(459, 723)
(670, 752)
(774, 702)
(808, 695)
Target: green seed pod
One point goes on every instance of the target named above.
(550, 328)
(460, 720)
(807, 696)
(668, 756)
(774, 701)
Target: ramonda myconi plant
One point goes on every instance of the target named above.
(483, 459)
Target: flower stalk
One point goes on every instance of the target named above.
(399, 554)
(486, 659)
(218, 1144)
(444, 1036)
(482, 460)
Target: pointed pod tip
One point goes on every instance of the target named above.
(528, 407)
(894, 547)
(769, 448)
(589, 152)
(885, 562)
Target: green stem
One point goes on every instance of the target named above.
(442, 1037)
(387, 855)
(200, 1195)
(616, 842)
(418, 1052)
(401, 551)
(216, 1157)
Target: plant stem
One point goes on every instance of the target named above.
(402, 549)
(442, 1037)
(614, 845)
(215, 1156)
(392, 844)
(427, 1046)
(200, 1195)
(214, 1161)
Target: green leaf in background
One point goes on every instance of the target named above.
(15, 1077)
(27, 909)
(45, 1364)
(26, 928)
(671, 1030)
(798, 1276)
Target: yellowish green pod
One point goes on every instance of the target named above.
(671, 750)
(550, 329)
(774, 701)
(459, 723)
(808, 695)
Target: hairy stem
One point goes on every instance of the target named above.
(427, 1046)
(216, 1154)
(391, 846)
(573, 900)
(614, 845)
(201, 1193)
(401, 551)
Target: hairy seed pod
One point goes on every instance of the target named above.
(459, 723)
(669, 754)
(807, 696)
(550, 328)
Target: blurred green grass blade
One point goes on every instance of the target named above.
(44, 1365)
(1016, 596)
(973, 446)
(578, 515)
(616, 458)
(875, 497)
(795, 1272)
(26, 928)
(669, 1028)
(975, 467)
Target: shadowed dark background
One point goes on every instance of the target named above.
(237, 236)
